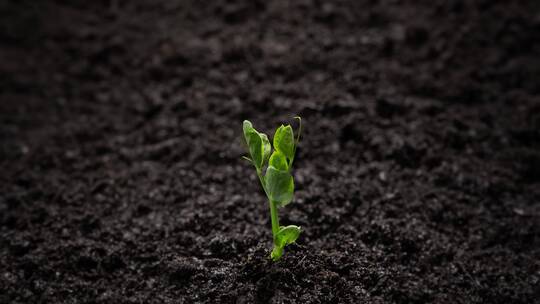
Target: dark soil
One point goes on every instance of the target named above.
(418, 178)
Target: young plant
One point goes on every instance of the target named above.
(277, 181)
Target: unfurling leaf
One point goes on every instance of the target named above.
(258, 144)
(279, 185)
(247, 126)
(278, 161)
(254, 143)
(284, 141)
(267, 148)
(288, 235)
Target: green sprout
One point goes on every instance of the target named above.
(277, 182)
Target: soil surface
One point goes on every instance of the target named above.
(121, 178)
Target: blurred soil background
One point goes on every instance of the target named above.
(418, 175)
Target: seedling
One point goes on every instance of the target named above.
(277, 182)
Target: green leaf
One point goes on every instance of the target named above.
(287, 235)
(255, 145)
(278, 161)
(247, 126)
(284, 141)
(267, 148)
(258, 144)
(279, 186)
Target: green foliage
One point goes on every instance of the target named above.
(285, 236)
(278, 182)
(279, 161)
(254, 141)
(279, 186)
(284, 141)
(288, 234)
(267, 148)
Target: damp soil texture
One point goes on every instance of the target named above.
(418, 175)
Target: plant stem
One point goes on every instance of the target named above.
(275, 220)
(273, 208)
